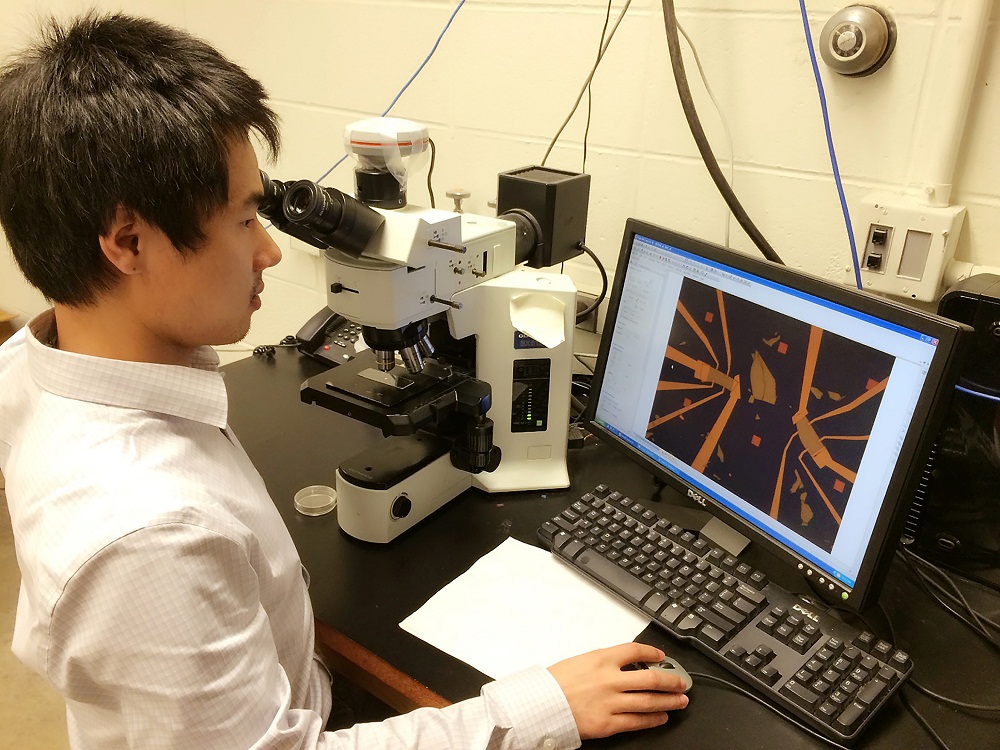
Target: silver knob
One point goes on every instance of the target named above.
(458, 195)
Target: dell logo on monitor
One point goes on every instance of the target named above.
(697, 497)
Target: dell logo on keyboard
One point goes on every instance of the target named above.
(805, 612)
(698, 498)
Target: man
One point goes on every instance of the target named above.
(161, 595)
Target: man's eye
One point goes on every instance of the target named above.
(248, 222)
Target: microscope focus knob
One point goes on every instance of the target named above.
(458, 195)
(401, 507)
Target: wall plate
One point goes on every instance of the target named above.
(903, 246)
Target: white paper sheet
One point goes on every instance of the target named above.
(517, 607)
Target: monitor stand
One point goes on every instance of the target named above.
(697, 519)
(724, 536)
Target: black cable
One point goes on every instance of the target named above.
(267, 350)
(976, 623)
(586, 83)
(583, 314)
(924, 582)
(952, 701)
(923, 722)
(746, 693)
(984, 583)
(926, 690)
(981, 619)
(430, 171)
(698, 132)
(590, 100)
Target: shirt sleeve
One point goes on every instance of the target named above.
(160, 641)
(524, 711)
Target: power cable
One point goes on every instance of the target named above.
(698, 132)
(430, 172)
(590, 102)
(586, 83)
(583, 314)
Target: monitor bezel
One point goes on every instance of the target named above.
(928, 413)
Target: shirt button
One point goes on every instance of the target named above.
(548, 744)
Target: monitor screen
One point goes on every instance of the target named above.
(798, 411)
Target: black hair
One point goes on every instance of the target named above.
(114, 111)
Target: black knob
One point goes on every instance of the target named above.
(400, 507)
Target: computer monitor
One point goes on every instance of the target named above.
(797, 411)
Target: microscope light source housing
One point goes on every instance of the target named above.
(557, 201)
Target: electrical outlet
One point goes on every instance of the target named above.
(903, 246)
(583, 301)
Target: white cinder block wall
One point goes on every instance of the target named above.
(507, 72)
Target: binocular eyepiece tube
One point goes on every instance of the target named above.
(321, 216)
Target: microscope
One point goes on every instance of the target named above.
(470, 355)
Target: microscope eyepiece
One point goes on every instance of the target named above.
(336, 219)
(321, 208)
(270, 204)
(322, 216)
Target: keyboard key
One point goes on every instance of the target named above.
(613, 576)
(827, 711)
(769, 675)
(882, 650)
(850, 718)
(872, 692)
(900, 660)
(712, 636)
(764, 653)
(800, 694)
(865, 641)
(689, 624)
(655, 602)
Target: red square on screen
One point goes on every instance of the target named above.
(782, 348)
(838, 485)
(755, 440)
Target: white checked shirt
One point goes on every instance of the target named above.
(161, 594)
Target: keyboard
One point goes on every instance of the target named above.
(830, 675)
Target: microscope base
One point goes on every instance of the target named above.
(381, 514)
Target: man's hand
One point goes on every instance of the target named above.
(605, 700)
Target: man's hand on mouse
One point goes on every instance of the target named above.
(605, 700)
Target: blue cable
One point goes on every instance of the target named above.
(829, 143)
(412, 79)
(977, 394)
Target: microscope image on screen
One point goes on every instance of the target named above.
(780, 421)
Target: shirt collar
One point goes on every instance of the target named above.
(196, 392)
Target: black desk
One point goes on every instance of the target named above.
(361, 591)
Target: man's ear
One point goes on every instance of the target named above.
(123, 241)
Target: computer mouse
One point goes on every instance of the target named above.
(669, 664)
